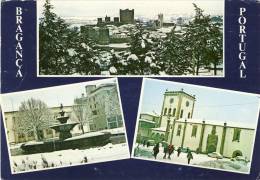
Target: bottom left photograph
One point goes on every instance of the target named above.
(64, 126)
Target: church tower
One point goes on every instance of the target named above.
(176, 105)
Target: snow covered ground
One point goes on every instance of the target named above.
(201, 160)
(69, 157)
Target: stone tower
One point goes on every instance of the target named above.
(176, 105)
(160, 19)
(127, 16)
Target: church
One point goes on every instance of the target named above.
(178, 127)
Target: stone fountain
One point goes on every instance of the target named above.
(63, 128)
(66, 140)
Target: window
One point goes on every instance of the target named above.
(194, 130)
(169, 112)
(189, 115)
(94, 112)
(30, 134)
(236, 135)
(179, 130)
(48, 131)
(171, 100)
(174, 111)
(20, 135)
(165, 111)
(187, 103)
(181, 115)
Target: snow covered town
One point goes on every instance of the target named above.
(175, 136)
(130, 44)
(89, 130)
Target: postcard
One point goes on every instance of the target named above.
(196, 126)
(134, 38)
(64, 126)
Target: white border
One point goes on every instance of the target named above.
(182, 76)
(63, 86)
(206, 87)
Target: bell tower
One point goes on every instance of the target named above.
(176, 105)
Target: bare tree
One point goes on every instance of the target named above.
(80, 111)
(33, 116)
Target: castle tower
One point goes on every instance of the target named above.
(160, 19)
(176, 105)
(127, 16)
(107, 19)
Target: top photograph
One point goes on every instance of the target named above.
(130, 38)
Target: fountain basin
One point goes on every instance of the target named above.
(84, 141)
(63, 119)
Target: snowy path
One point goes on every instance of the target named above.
(201, 160)
(69, 157)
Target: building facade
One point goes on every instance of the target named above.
(101, 111)
(147, 121)
(102, 106)
(178, 127)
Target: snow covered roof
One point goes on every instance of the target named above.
(220, 123)
(153, 113)
(148, 121)
(162, 129)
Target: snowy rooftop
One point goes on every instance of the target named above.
(153, 113)
(163, 129)
(145, 120)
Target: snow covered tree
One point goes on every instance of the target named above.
(215, 46)
(33, 116)
(52, 32)
(80, 110)
(141, 60)
(174, 55)
(199, 32)
(81, 54)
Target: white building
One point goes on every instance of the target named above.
(102, 106)
(177, 127)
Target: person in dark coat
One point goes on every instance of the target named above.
(189, 156)
(144, 142)
(179, 151)
(147, 143)
(170, 150)
(156, 150)
(165, 150)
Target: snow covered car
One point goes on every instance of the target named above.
(150, 142)
(240, 159)
(215, 155)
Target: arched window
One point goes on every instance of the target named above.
(174, 112)
(169, 112)
(165, 111)
(189, 115)
(181, 115)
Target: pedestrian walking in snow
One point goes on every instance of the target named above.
(156, 150)
(148, 144)
(165, 150)
(170, 150)
(179, 151)
(144, 142)
(189, 156)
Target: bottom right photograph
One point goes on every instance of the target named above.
(196, 126)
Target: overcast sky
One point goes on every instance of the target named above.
(53, 96)
(143, 8)
(211, 104)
